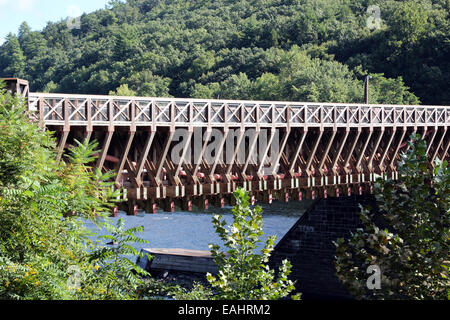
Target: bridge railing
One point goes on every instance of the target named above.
(96, 110)
(313, 149)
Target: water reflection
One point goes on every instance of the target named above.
(194, 230)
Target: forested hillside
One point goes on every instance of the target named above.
(303, 50)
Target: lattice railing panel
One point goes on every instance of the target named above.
(197, 112)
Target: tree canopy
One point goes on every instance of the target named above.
(309, 50)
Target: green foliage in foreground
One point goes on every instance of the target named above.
(46, 252)
(412, 250)
(243, 273)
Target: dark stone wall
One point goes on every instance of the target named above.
(308, 245)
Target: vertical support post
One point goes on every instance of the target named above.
(374, 151)
(444, 154)
(89, 127)
(163, 157)
(325, 154)
(62, 143)
(200, 156)
(183, 155)
(394, 155)
(124, 157)
(41, 111)
(263, 160)
(341, 147)
(250, 152)
(219, 154)
(66, 130)
(283, 145)
(104, 152)
(87, 135)
(436, 151)
(313, 153)
(363, 151)
(236, 150)
(381, 166)
(132, 208)
(297, 152)
(350, 153)
(143, 157)
(431, 140)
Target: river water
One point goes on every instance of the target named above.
(194, 230)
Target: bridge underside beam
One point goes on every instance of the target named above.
(273, 149)
(159, 170)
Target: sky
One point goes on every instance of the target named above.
(38, 12)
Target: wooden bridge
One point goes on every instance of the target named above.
(185, 152)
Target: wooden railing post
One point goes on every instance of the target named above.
(321, 141)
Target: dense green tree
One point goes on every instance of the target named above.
(128, 42)
(408, 240)
(123, 91)
(12, 58)
(412, 43)
(206, 91)
(147, 84)
(46, 251)
(390, 91)
(193, 48)
(24, 32)
(267, 87)
(306, 79)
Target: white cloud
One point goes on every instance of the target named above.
(21, 5)
(18, 5)
(25, 5)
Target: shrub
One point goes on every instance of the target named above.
(411, 251)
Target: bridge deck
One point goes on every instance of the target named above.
(193, 152)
